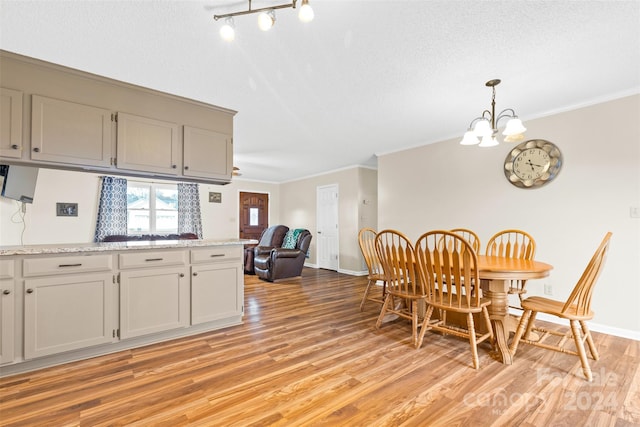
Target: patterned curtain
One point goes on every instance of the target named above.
(189, 218)
(112, 210)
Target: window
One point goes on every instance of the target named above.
(152, 208)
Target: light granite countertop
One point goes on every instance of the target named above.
(117, 246)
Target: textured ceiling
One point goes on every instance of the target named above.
(363, 78)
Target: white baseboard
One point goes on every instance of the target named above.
(353, 272)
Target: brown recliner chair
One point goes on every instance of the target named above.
(271, 237)
(283, 262)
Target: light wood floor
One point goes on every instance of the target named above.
(306, 355)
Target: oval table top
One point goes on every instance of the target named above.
(492, 267)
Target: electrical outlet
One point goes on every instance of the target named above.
(634, 211)
(66, 209)
(548, 290)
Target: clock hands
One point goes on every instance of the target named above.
(533, 164)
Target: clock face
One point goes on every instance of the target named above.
(533, 163)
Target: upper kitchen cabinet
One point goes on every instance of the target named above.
(149, 145)
(68, 132)
(10, 123)
(207, 154)
(58, 117)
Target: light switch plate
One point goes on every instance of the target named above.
(215, 197)
(66, 209)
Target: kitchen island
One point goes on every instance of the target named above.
(74, 301)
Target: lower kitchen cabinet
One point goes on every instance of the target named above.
(153, 300)
(7, 304)
(216, 292)
(63, 313)
(76, 304)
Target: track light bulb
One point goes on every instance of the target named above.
(266, 20)
(306, 12)
(227, 31)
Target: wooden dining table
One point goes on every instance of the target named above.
(495, 274)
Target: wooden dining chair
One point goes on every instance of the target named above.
(513, 244)
(577, 309)
(470, 236)
(404, 289)
(449, 272)
(367, 242)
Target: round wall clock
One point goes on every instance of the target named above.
(533, 163)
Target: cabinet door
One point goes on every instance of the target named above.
(7, 301)
(63, 313)
(216, 292)
(10, 123)
(67, 132)
(153, 300)
(7, 324)
(147, 145)
(207, 154)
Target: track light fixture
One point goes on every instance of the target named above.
(266, 17)
(484, 129)
(228, 31)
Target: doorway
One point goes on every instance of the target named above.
(327, 218)
(254, 214)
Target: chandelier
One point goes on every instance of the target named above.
(484, 129)
(266, 17)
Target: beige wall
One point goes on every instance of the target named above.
(446, 185)
(298, 210)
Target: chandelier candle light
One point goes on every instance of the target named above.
(484, 129)
(266, 17)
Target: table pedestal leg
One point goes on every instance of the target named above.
(499, 315)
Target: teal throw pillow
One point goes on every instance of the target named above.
(291, 238)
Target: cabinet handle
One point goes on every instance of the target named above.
(216, 255)
(69, 265)
(186, 168)
(173, 166)
(6, 292)
(181, 274)
(195, 274)
(15, 146)
(36, 149)
(29, 291)
(153, 259)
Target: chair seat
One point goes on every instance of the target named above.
(549, 306)
(463, 308)
(377, 277)
(406, 295)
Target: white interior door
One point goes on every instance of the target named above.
(328, 250)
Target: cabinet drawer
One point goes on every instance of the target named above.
(152, 259)
(6, 269)
(66, 265)
(216, 254)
